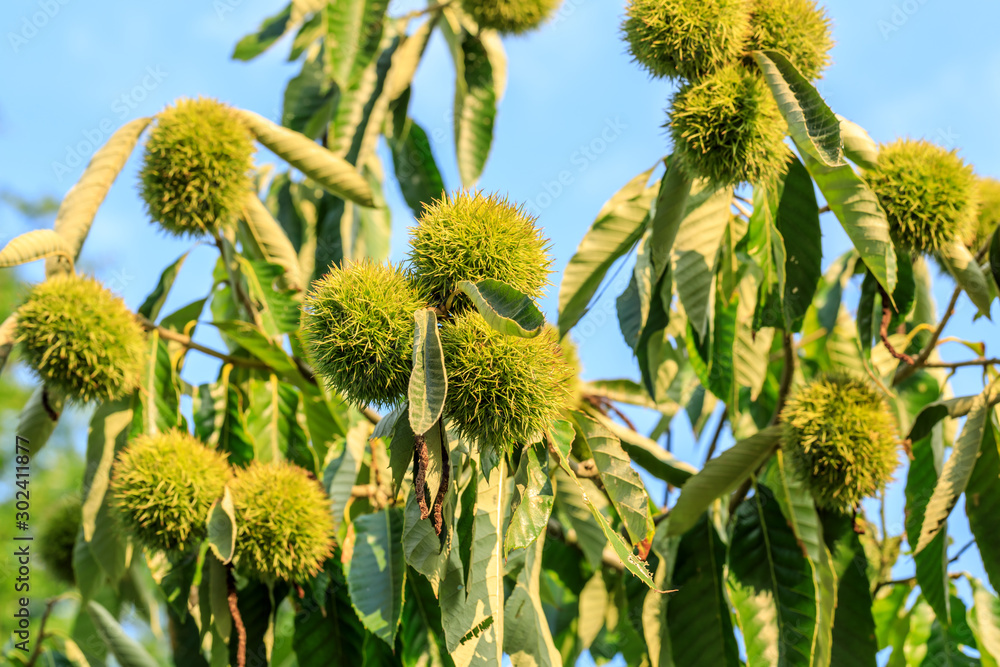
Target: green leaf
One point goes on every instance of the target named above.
(721, 475)
(995, 257)
(36, 244)
(333, 173)
(341, 473)
(932, 562)
(376, 572)
(416, 170)
(401, 444)
(79, 206)
(220, 418)
(621, 482)
(475, 105)
(933, 413)
(626, 391)
(270, 31)
(424, 550)
(276, 310)
(354, 30)
(798, 223)
(504, 308)
(157, 403)
(221, 525)
(957, 471)
(270, 243)
(260, 346)
(617, 228)
(814, 128)
(649, 455)
(859, 147)
(428, 382)
(698, 617)
(868, 322)
(861, 216)
(695, 251)
(273, 424)
(531, 504)
(311, 97)
(528, 640)
(854, 641)
(39, 417)
(126, 650)
(985, 623)
(150, 308)
(771, 585)
(966, 271)
(562, 435)
(982, 505)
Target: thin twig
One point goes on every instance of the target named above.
(742, 209)
(41, 630)
(961, 364)
(825, 209)
(883, 330)
(417, 13)
(906, 371)
(186, 341)
(234, 611)
(371, 415)
(715, 437)
(958, 554)
(909, 581)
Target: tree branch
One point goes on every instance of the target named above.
(906, 371)
(187, 342)
(41, 631)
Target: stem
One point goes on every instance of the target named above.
(371, 415)
(883, 329)
(417, 13)
(186, 341)
(906, 371)
(234, 611)
(41, 631)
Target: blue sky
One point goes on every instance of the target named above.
(73, 71)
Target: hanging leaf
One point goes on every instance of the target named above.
(475, 104)
(311, 97)
(966, 271)
(269, 241)
(428, 382)
(562, 435)
(531, 504)
(416, 170)
(354, 30)
(126, 650)
(220, 418)
(932, 414)
(771, 585)
(270, 31)
(859, 147)
(333, 173)
(982, 504)
(814, 128)
(79, 206)
(157, 404)
(957, 471)
(618, 227)
(221, 524)
(150, 308)
(621, 482)
(649, 455)
(798, 223)
(854, 642)
(341, 473)
(504, 308)
(721, 475)
(528, 640)
(376, 573)
(36, 244)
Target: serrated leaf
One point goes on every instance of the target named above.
(269, 241)
(311, 97)
(157, 404)
(649, 455)
(79, 206)
(416, 170)
(270, 31)
(861, 216)
(354, 30)
(698, 617)
(220, 418)
(957, 471)
(695, 250)
(273, 424)
(854, 642)
(798, 222)
(621, 482)
(933, 413)
(561, 438)
(428, 381)
(623, 390)
(771, 585)
(982, 505)
(528, 640)
(504, 308)
(331, 172)
(259, 345)
(150, 308)
(341, 473)
(984, 621)
(276, 310)
(376, 572)
(221, 526)
(126, 650)
(859, 147)
(966, 271)
(475, 105)
(618, 226)
(721, 475)
(813, 126)
(36, 244)
(531, 504)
